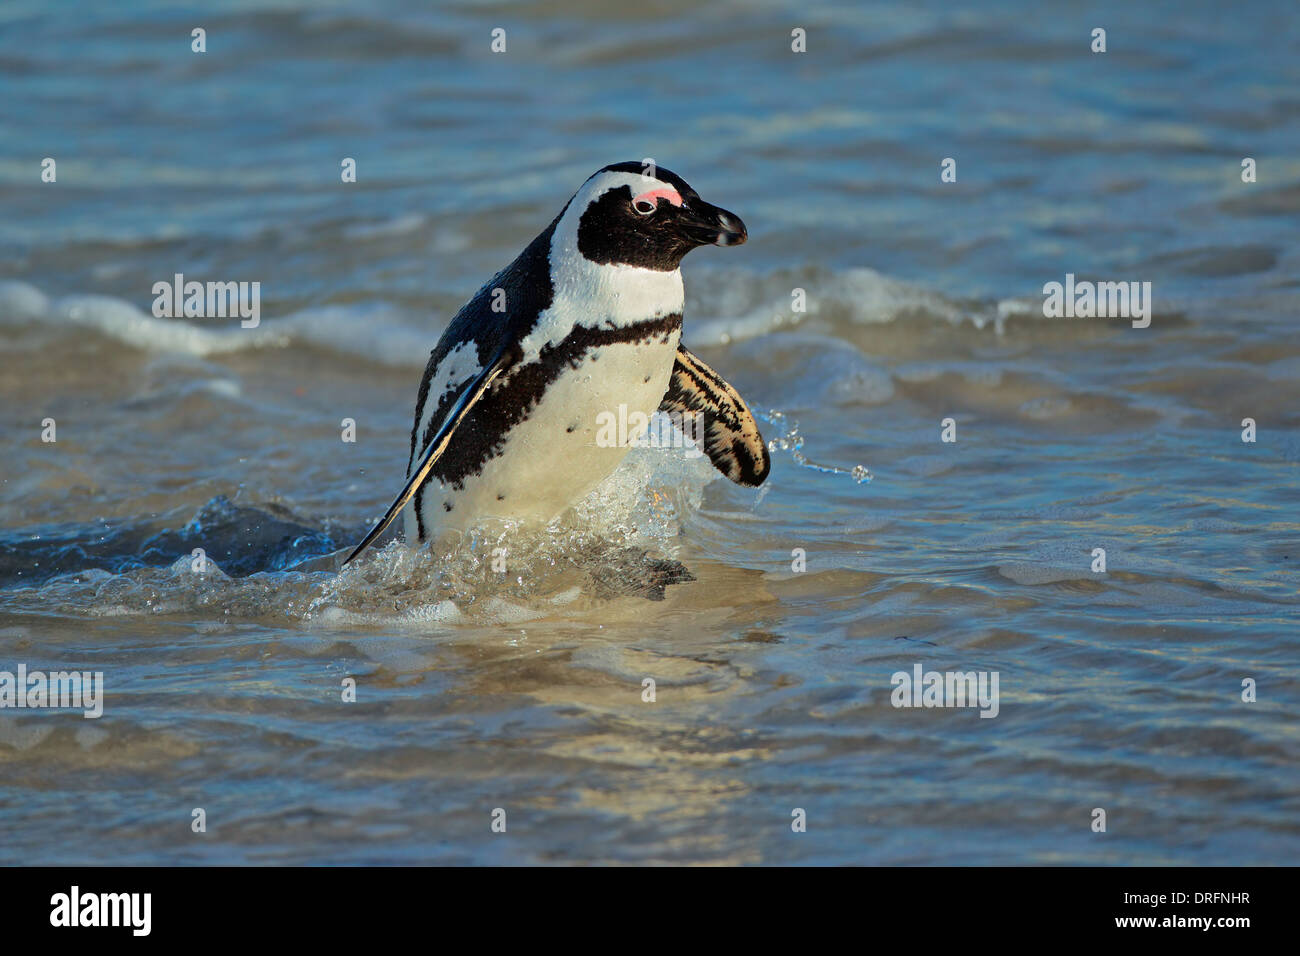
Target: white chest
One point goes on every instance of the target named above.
(562, 450)
(600, 296)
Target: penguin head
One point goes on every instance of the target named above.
(645, 216)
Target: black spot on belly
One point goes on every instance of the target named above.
(571, 428)
(446, 506)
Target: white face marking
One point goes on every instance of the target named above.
(591, 294)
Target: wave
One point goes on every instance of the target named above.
(261, 560)
(723, 307)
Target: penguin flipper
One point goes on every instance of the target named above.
(731, 437)
(442, 438)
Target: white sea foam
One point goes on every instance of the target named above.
(22, 304)
(722, 307)
(757, 305)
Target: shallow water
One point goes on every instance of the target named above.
(479, 690)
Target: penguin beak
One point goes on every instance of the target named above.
(708, 225)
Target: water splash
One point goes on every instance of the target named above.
(790, 440)
(262, 561)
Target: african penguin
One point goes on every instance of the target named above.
(587, 318)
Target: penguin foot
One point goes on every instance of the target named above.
(634, 572)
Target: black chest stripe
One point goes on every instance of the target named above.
(525, 286)
(482, 435)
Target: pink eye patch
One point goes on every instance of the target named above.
(654, 195)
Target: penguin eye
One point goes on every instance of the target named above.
(643, 206)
